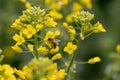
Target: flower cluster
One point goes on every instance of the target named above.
(38, 33)
(43, 69)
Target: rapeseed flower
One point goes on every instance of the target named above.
(19, 38)
(63, 2)
(30, 47)
(51, 35)
(87, 3)
(54, 50)
(70, 29)
(77, 6)
(98, 28)
(70, 48)
(39, 27)
(7, 72)
(55, 14)
(49, 22)
(57, 56)
(118, 48)
(29, 31)
(42, 49)
(94, 60)
(27, 5)
(17, 48)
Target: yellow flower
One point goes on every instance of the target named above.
(55, 6)
(17, 24)
(94, 60)
(42, 49)
(19, 38)
(27, 72)
(55, 14)
(61, 74)
(57, 56)
(23, 1)
(30, 47)
(69, 17)
(39, 27)
(49, 22)
(54, 50)
(72, 33)
(87, 3)
(7, 72)
(63, 2)
(29, 31)
(27, 5)
(65, 25)
(48, 1)
(118, 48)
(77, 6)
(19, 73)
(43, 78)
(17, 48)
(82, 37)
(70, 48)
(51, 35)
(57, 33)
(98, 28)
(70, 29)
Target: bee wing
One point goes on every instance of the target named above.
(56, 41)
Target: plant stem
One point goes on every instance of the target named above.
(71, 62)
(36, 46)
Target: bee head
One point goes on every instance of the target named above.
(50, 39)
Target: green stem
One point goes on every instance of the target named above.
(88, 34)
(36, 46)
(81, 62)
(43, 4)
(71, 62)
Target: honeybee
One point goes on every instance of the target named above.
(54, 42)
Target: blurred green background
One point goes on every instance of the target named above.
(102, 44)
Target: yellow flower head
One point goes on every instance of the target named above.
(48, 1)
(55, 14)
(23, 1)
(17, 24)
(77, 6)
(19, 73)
(17, 48)
(70, 29)
(70, 48)
(19, 38)
(55, 6)
(87, 3)
(63, 2)
(51, 35)
(98, 28)
(57, 56)
(82, 37)
(65, 25)
(27, 5)
(118, 48)
(49, 22)
(42, 49)
(94, 60)
(29, 31)
(54, 50)
(7, 72)
(39, 27)
(30, 47)
(61, 74)
(72, 33)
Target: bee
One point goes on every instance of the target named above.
(54, 42)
